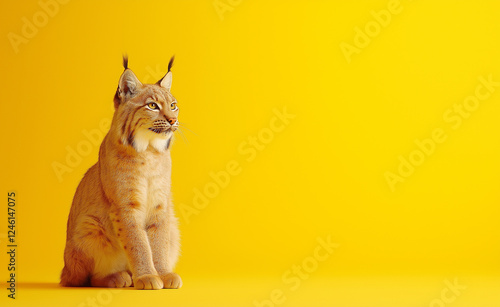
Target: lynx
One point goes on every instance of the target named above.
(121, 228)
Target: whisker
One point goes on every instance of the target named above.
(183, 137)
(184, 126)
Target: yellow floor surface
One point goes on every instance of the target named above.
(338, 291)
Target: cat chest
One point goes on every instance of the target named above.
(157, 191)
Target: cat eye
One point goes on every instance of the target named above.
(152, 106)
(173, 106)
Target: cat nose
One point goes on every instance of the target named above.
(172, 120)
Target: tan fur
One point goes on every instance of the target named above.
(121, 223)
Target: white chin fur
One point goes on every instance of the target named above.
(143, 138)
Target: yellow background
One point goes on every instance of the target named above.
(322, 175)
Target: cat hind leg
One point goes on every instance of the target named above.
(77, 269)
(111, 269)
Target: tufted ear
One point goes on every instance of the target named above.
(166, 81)
(128, 84)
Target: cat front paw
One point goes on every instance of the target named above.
(116, 280)
(171, 280)
(148, 282)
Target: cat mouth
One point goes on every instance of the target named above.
(160, 130)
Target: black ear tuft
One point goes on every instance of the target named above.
(171, 63)
(125, 61)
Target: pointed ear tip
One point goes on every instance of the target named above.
(171, 63)
(125, 61)
(126, 72)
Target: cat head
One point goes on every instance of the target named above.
(145, 114)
